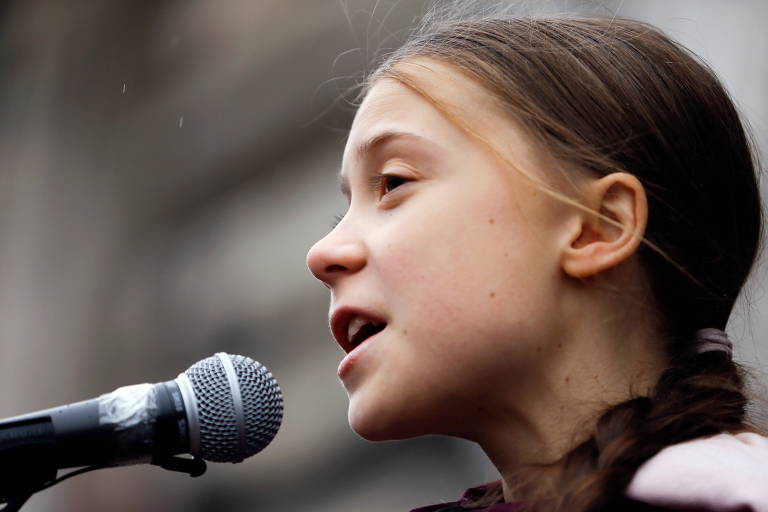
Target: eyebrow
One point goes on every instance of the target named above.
(372, 144)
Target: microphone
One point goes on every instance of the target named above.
(221, 409)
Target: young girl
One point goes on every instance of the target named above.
(549, 222)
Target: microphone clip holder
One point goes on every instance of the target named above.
(194, 467)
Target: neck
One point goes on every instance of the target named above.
(528, 438)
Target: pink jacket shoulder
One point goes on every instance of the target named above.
(722, 473)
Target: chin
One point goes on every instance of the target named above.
(378, 424)
(367, 427)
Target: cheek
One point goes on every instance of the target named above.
(471, 283)
(453, 263)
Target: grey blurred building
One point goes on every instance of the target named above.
(165, 167)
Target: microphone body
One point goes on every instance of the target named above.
(131, 425)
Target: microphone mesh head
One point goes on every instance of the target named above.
(262, 406)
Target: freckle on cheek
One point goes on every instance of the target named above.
(559, 345)
(492, 294)
(538, 349)
(567, 380)
(491, 221)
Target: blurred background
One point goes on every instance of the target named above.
(164, 167)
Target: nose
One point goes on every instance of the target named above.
(336, 255)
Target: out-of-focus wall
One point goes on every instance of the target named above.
(165, 167)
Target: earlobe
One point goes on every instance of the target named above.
(598, 242)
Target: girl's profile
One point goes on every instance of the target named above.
(549, 222)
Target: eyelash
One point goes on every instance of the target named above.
(379, 182)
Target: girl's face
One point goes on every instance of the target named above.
(450, 251)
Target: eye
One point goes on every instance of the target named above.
(384, 184)
(390, 182)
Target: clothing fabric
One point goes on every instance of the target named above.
(721, 473)
(471, 496)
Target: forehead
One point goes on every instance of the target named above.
(439, 93)
(443, 105)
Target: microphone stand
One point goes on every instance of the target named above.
(21, 477)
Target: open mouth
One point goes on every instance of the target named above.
(360, 329)
(351, 328)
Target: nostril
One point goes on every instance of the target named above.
(335, 268)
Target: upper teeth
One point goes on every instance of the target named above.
(356, 324)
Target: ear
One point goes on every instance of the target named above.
(593, 244)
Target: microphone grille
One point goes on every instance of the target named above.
(239, 408)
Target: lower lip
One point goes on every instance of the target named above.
(353, 357)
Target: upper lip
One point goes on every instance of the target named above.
(340, 319)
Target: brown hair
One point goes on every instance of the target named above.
(611, 94)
